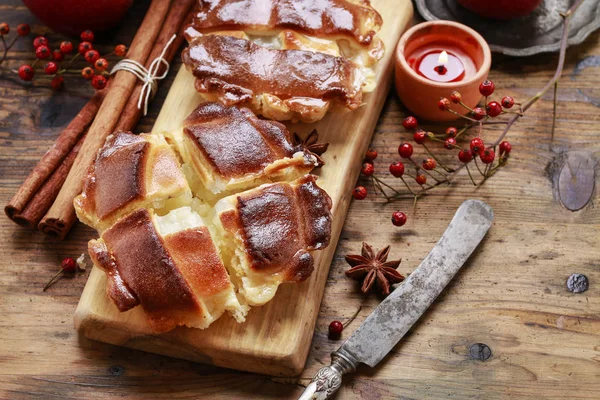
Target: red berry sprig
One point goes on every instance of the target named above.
(335, 329)
(67, 266)
(22, 30)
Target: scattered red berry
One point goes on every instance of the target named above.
(507, 102)
(397, 169)
(87, 36)
(40, 41)
(87, 73)
(429, 164)
(450, 143)
(371, 155)
(57, 82)
(487, 156)
(91, 56)
(398, 218)
(42, 52)
(420, 136)
(476, 145)
(4, 28)
(359, 193)
(57, 55)
(335, 330)
(51, 68)
(98, 82)
(421, 179)
(66, 47)
(487, 88)
(367, 169)
(23, 29)
(505, 148)
(67, 265)
(26, 72)
(444, 104)
(410, 122)
(451, 131)
(493, 109)
(478, 113)
(405, 150)
(120, 50)
(456, 97)
(101, 64)
(84, 47)
(465, 156)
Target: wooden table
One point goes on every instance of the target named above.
(506, 327)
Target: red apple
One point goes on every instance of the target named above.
(501, 9)
(71, 17)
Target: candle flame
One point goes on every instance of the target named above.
(443, 58)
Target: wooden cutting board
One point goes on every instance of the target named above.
(276, 337)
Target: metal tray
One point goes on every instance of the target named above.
(536, 33)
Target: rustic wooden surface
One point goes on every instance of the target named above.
(511, 295)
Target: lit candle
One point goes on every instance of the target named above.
(441, 67)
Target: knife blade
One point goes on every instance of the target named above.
(390, 321)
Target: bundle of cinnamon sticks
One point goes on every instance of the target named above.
(45, 199)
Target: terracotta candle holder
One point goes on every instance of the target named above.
(419, 89)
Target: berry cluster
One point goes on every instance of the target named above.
(54, 63)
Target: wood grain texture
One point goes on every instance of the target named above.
(511, 295)
(276, 337)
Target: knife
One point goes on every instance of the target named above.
(390, 321)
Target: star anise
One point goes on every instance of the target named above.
(374, 268)
(310, 144)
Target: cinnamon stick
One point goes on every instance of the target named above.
(178, 15)
(44, 197)
(53, 157)
(61, 216)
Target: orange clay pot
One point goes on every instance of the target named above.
(421, 95)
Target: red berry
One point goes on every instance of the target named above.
(98, 82)
(367, 169)
(476, 145)
(26, 72)
(507, 102)
(505, 148)
(57, 82)
(50, 68)
(421, 179)
(40, 41)
(92, 56)
(409, 122)
(429, 164)
(487, 88)
(397, 169)
(42, 52)
(359, 193)
(371, 155)
(420, 136)
(444, 104)
(84, 47)
(120, 50)
(101, 64)
(478, 113)
(335, 329)
(487, 156)
(4, 28)
(66, 47)
(465, 156)
(456, 97)
(68, 265)
(57, 55)
(87, 72)
(493, 109)
(87, 36)
(398, 218)
(23, 29)
(405, 150)
(450, 143)
(451, 131)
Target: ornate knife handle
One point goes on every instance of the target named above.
(329, 379)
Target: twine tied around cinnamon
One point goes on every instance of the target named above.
(148, 76)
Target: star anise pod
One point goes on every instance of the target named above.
(374, 268)
(310, 144)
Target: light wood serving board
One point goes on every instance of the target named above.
(276, 337)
